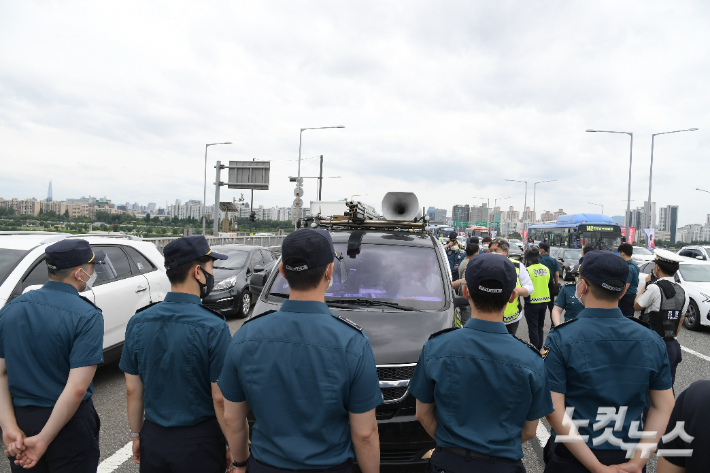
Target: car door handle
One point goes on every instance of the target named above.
(141, 289)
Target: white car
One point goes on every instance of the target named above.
(701, 253)
(642, 255)
(138, 279)
(694, 277)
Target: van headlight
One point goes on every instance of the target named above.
(228, 283)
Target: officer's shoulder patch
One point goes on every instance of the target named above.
(530, 345)
(149, 305)
(347, 321)
(89, 301)
(436, 334)
(215, 312)
(260, 315)
(558, 326)
(639, 321)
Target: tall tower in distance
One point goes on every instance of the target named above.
(49, 192)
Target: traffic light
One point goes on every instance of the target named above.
(252, 216)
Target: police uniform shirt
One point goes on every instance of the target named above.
(177, 347)
(650, 300)
(44, 334)
(485, 384)
(633, 279)
(301, 370)
(567, 301)
(583, 363)
(551, 264)
(691, 408)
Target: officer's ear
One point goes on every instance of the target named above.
(329, 271)
(464, 291)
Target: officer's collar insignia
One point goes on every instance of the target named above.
(349, 322)
(544, 351)
(639, 321)
(436, 334)
(149, 305)
(530, 345)
(260, 315)
(563, 323)
(89, 301)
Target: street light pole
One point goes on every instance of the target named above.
(631, 152)
(534, 197)
(600, 205)
(204, 193)
(650, 172)
(300, 141)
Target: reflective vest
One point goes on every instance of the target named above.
(666, 319)
(512, 310)
(540, 277)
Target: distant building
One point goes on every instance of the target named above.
(431, 212)
(479, 214)
(440, 215)
(668, 221)
(461, 213)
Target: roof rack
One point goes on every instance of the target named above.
(343, 222)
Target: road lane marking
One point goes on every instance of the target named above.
(542, 434)
(693, 352)
(117, 459)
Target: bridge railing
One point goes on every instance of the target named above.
(271, 242)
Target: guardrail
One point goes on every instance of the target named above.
(271, 242)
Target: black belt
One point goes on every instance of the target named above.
(462, 452)
(668, 339)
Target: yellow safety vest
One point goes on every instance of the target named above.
(540, 277)
(512, 310)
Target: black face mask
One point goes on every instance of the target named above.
(205, 289)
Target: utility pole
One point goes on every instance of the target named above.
(320, 179)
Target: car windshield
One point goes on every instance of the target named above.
(572, 254)
(405, 275)
(639, 250)
(237, 258)
(695, 272)
(8, 260)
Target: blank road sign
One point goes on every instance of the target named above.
(249, 175)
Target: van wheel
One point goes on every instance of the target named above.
(692, 317)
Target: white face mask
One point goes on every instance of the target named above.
(330, 281)
(92, 279)
(455, 248)
(578, 297)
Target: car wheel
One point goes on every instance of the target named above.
(244, 303)
(692, 317)
(563, 276)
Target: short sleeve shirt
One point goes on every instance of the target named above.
(566, 300)
(177, 347)
(301, 370)
(584, 364)
(485, 384)
(44, 334)
(651, 298)
(691, 408)
(633, 279)
(551, 264)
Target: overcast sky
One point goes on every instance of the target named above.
(445, 99)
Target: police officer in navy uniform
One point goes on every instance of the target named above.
(567, 301)
(51, 341)
(480, 391)
(599, 360)
(308, 375)
(172, 358)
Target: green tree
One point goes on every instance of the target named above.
(147, 217)
(66, 213)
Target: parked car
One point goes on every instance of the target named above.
(397, 286)
(518, 243)
(696, 251)
(137, 281)
(694, 277)
(642, 255)
(231, 293)
(566, 257)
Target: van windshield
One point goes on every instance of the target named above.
(409, 276)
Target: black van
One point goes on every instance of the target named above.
(397, 286)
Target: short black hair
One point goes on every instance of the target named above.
(486, 239)
(178, 274)
(667, 267)
(487, 302)
(604, 294)
(587, 249)
(471, 249)
(626, 249)
(58, 274)
(304, 280)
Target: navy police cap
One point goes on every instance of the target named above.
(70, 253)
(186, 249)
(605, 269)
(492, 273)
(307, 248)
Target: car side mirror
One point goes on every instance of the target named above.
(258, 268)
(460, 301)
(700, 258)
(676, 278)
(256, 283)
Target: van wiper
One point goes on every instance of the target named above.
(368, 302)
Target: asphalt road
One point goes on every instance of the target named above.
(110, 402)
